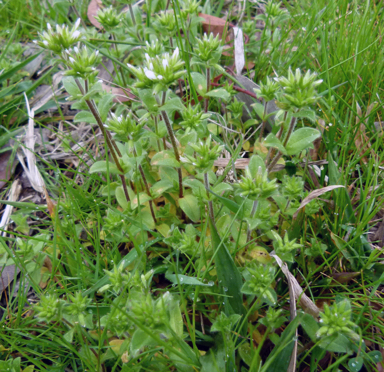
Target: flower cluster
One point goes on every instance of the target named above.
(284, 247)
(125, 126)
(267, 91)
(60, 39)
(258, 187)
(205, 155)
(299, 89)
(49, 309)
(108, 18)
(154, 48)
(119, 279)
(273, 319)
(337, 320)
(292, 187)
(193, 117)
(81, 62)
(159, 72)
(208, 49)
(259, 279)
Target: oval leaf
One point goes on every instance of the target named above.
(301, 139)
(190, 205)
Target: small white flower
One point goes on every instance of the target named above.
(149, 74)
(120, 118)
(57, 28)
(72, 60)
(100, 81)
(129, 65)
(34, 41)
(176, 53)
(76, 34)
(49, 27)
(148, 58)
(97, 53)
(45, 42)
(165, 63)
(160, 77)
(76, 49)
(77, 24)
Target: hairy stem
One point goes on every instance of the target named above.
(110, 143)
(148, 192)
(206, 102)
(210, 204)
(254, 206)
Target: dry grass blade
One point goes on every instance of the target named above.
(313, 195)
(13, 196)
(304, 301)
(239, 50)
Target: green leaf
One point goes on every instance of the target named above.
(301, 139)
(161, 187)
(273, 141)
(355, 364)
(71, 86)
(55, 2)
(255, 163)
(9, 73)
(259, 108)
(184, 279)
(190, 205)
(214, 359)
(247, 353)
(219, 93)
(105, 105)
(200, 82)
(101, 166)
(307, 114)
(140, 339)
(165, 158)
(149, 100)
(310, 326)
(85, 116)
(174, 104)
(175, 317)
(374, 356)
(338, 344)
(228, 274)
(144, 197)
(221, 187)
(121, 198)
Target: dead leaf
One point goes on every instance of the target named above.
(298, 294)
(344, 278)
(215, 25)
(239, 50)
(313, 195)
(93, 8)
(8, 274)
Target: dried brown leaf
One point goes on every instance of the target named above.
(93, 8)
(297, 292)
(215, 25)
(313, 195)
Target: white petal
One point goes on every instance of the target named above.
(97, 53)
(49, 27)
(76, 49)
(129, 65)
(149, 74)
(160, 77)
(72, 60)
(34, 41)
(76, 34)
(45, 42)
(77, 24)
(176, 53)
(165, 63)
(148, 58)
